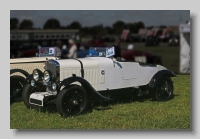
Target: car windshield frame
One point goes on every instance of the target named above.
(101, 51)
(48, 51)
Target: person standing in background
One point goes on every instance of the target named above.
(117, 49)
(72, 49)
(59, 48)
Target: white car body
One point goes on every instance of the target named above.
(116, 74)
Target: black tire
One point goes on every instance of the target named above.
(16, 82)
(27, 91)
(72, 101)
(164, 89)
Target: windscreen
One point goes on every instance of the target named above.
(47, 51)
(101, 52)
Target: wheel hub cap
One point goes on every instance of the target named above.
(75, 102)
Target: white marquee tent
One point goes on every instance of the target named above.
(184, 48)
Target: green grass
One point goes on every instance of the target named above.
(130, 114)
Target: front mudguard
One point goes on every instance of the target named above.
(29, 78)
(85, 84)
(25, 73)
(158, 75)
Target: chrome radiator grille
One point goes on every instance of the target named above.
(53, 66)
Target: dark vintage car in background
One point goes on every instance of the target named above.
(140, 56)
(174, 40)
(23, 51)
(152, 41)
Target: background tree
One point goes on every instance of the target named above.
(26, 24)
(51, 24)
(97, 30)
(163, 26)
(109, 30)
(85, 31)
(14, 23)
(132, 27)
(139, 25)
(75, 25)
(149, 27)
(62, 27)
(118, 27)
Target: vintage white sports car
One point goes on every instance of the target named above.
(20, 68)
(73, 83)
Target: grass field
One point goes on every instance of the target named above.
(133, 114)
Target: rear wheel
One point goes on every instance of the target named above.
(164, 89)
(72, 101)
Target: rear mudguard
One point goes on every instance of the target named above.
(68, 81)
(158, 75)
(25, 73)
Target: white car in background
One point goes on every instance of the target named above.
(20, 68)
(73, 83)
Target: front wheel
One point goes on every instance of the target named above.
(26, 93)
(164, 89)
(72, 101)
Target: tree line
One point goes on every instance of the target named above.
(116, 27)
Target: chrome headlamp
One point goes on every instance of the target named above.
(37, 74)
(32, 83)
(47, 75)
(54, 86)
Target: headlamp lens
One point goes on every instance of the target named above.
(54, 86)
(32, 83)
(46, 76)
(35, 75)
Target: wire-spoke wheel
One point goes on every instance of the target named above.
(164, 89)
(72, 101)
